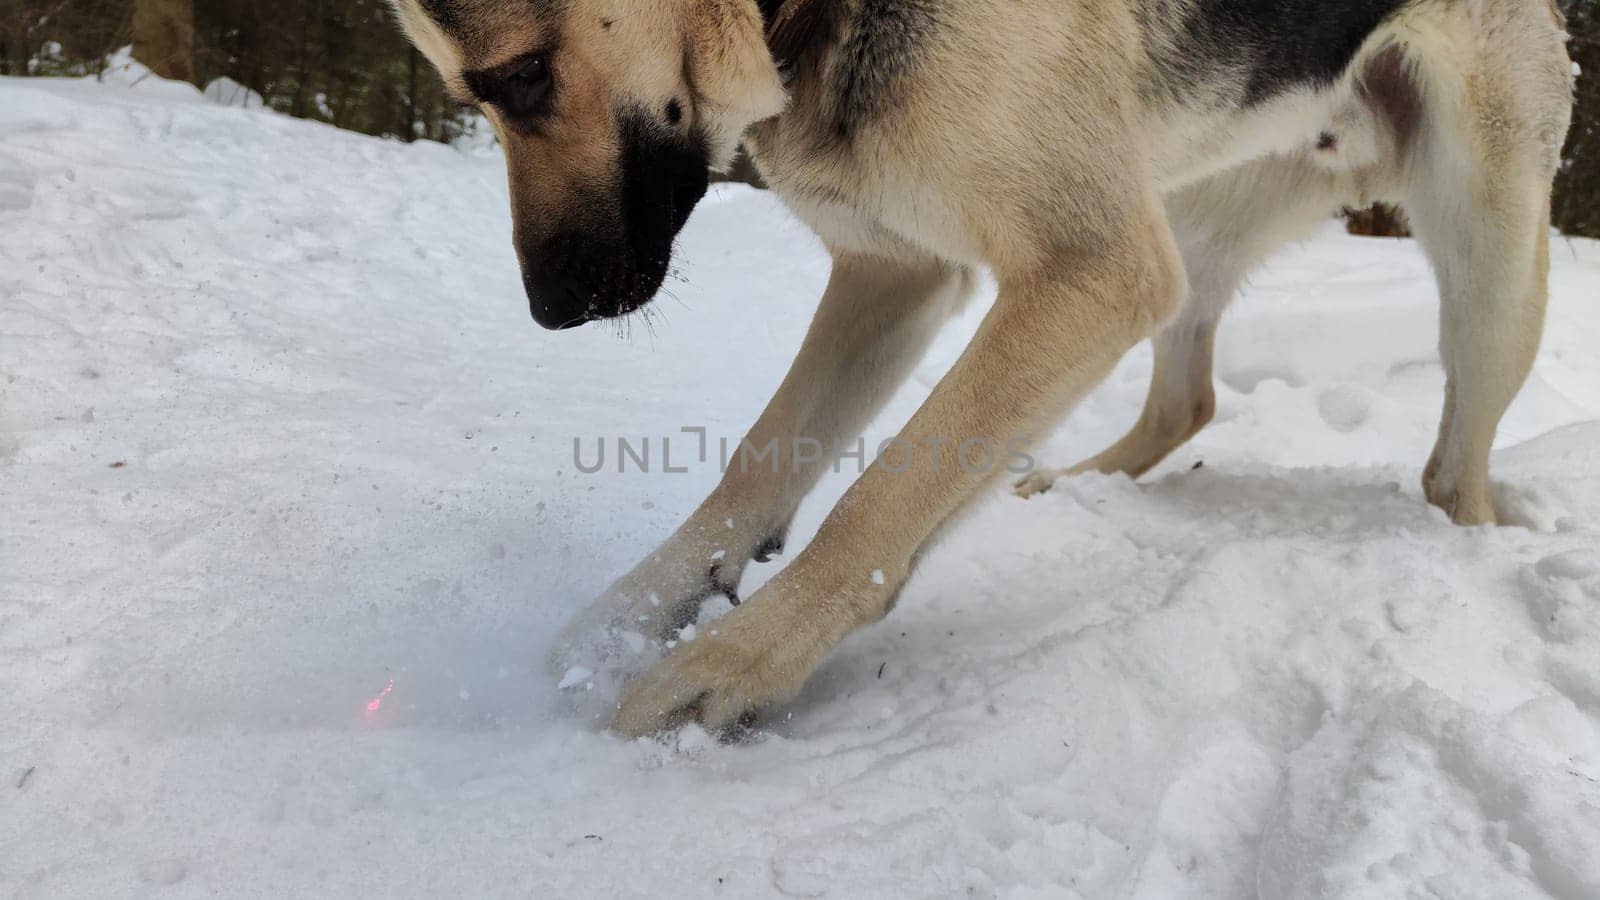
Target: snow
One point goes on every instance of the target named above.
(291, 516)
(227, 92)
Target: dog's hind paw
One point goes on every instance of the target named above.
(1037, 483)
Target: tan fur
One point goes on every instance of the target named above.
(1030, 139)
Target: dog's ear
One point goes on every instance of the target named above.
(733, 72)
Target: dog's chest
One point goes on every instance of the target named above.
(841, 155)
(858, 206)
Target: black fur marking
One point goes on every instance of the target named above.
(885, 43)
(474, 20)
(772, 546)
(674, 112)
(769, 10)
(663, 176)
(721, 586)
(444, 14)
(523, 89)
(743, 730)
(601, 266)
(879, 43)
(681, 615)
(795, 26)
(1276, 45)
(1388, 86)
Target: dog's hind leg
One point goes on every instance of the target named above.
(1491, 324)
(1224, 227)
(874, 323)
(1478, 196)
(1181, 400)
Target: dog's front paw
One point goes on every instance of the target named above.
(617, 631)
(626, 627)
(743, 663)
(616, 637)
(590, 647)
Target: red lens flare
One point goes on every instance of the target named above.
(377, 702)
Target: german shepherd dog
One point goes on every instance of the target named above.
(1119, 166)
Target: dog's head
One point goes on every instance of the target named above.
(611, 113)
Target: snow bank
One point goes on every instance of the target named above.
(290, 516)
(227, 92)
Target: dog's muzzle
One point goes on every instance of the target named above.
(559, 300)
(613, 256)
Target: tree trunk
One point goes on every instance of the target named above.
(7, 54)
(163, 37)
(410, 133)
(15, 39)
(1577, 196)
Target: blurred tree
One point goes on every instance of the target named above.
(60, 37)
(24, 26)
(163, 37)
(1577, 199)
(341, 61)
(346, 63)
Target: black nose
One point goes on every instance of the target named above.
(558, 300)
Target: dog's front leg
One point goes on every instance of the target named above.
(1050, 338)
(875, 320)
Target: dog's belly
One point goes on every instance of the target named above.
(1334, 126)
(900, 213)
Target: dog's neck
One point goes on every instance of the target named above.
(793, 26)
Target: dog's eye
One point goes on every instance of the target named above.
(528, 88)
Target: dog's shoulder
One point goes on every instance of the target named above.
(866, 48)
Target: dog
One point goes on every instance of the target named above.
(1118, 165)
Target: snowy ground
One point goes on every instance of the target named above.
(275, 430)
